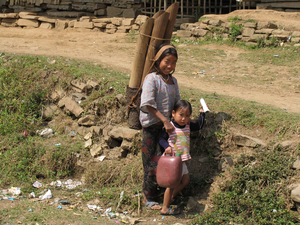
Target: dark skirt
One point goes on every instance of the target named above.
(151, 152)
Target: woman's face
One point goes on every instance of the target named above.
(167, 64)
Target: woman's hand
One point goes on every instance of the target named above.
(168, 126)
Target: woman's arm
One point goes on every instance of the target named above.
(168, 126)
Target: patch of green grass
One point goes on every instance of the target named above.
(202, 18)
(250, 21)
(234, 19)
(251, 115)
(257, 192)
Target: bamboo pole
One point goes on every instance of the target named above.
(140, 54)
(154, 6)
(221, 4)
(204, 7)
(230, 2)
(158, 32)
(209, 4)
(173, 10)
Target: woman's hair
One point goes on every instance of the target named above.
(168, 51)
(182, 104)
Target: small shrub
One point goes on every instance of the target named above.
(250, 21)
(234, 31)
(234, 19)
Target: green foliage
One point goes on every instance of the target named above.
(257, 192)
(250, 21)
(234, 31)
(202, 18)
(234, 19)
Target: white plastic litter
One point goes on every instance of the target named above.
(108, 210)
(47, 195)
(56, 183)
(204, 106)
(70, 184)
(47, 132)
(14, 190)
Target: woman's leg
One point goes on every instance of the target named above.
(150, 156)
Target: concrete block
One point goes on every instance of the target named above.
(28, 23)
(128, 22)
(100, 25)
(184, 33)
(113, 11)
(46, 19)
(89, 25)
(247, 32)
(100, 12)
(111, 31)
(45, 25)
(61, 25)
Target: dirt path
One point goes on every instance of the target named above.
(117, 51)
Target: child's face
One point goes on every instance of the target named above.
(182, 116)
(167, 64)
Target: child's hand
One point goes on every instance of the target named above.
(168, 150)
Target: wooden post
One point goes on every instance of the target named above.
(244, 5)
(154, 6)
(193, 7)
(158, 32)
(145, 5)
(181, 9)
(140, 54)
(165, 4)
(173, 10)
(204, 7)
(199, 8)
(159, 7)
(230, 3)
(187, 7)
(216, 6)
(221, 1)
(209, 6)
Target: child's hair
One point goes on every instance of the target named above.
(182, 104)
(168, 51)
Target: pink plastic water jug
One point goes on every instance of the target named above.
(169, 171)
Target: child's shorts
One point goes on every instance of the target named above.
(184, 169)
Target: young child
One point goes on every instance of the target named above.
(179, 142)
(159, 93)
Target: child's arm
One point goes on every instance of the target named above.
(199, 124)
(163, 141)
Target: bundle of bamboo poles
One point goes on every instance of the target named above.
(155, 31)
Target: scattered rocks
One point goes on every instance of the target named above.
(244, 140)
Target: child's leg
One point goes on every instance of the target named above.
(167, 200)
(184, 182)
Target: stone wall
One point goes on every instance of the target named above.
(251, 32)
(108, 25)
(66, 8)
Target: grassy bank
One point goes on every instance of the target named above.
(26, 82)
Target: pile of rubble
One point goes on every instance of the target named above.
(99, 122)
(250, 31)
(108, 25)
